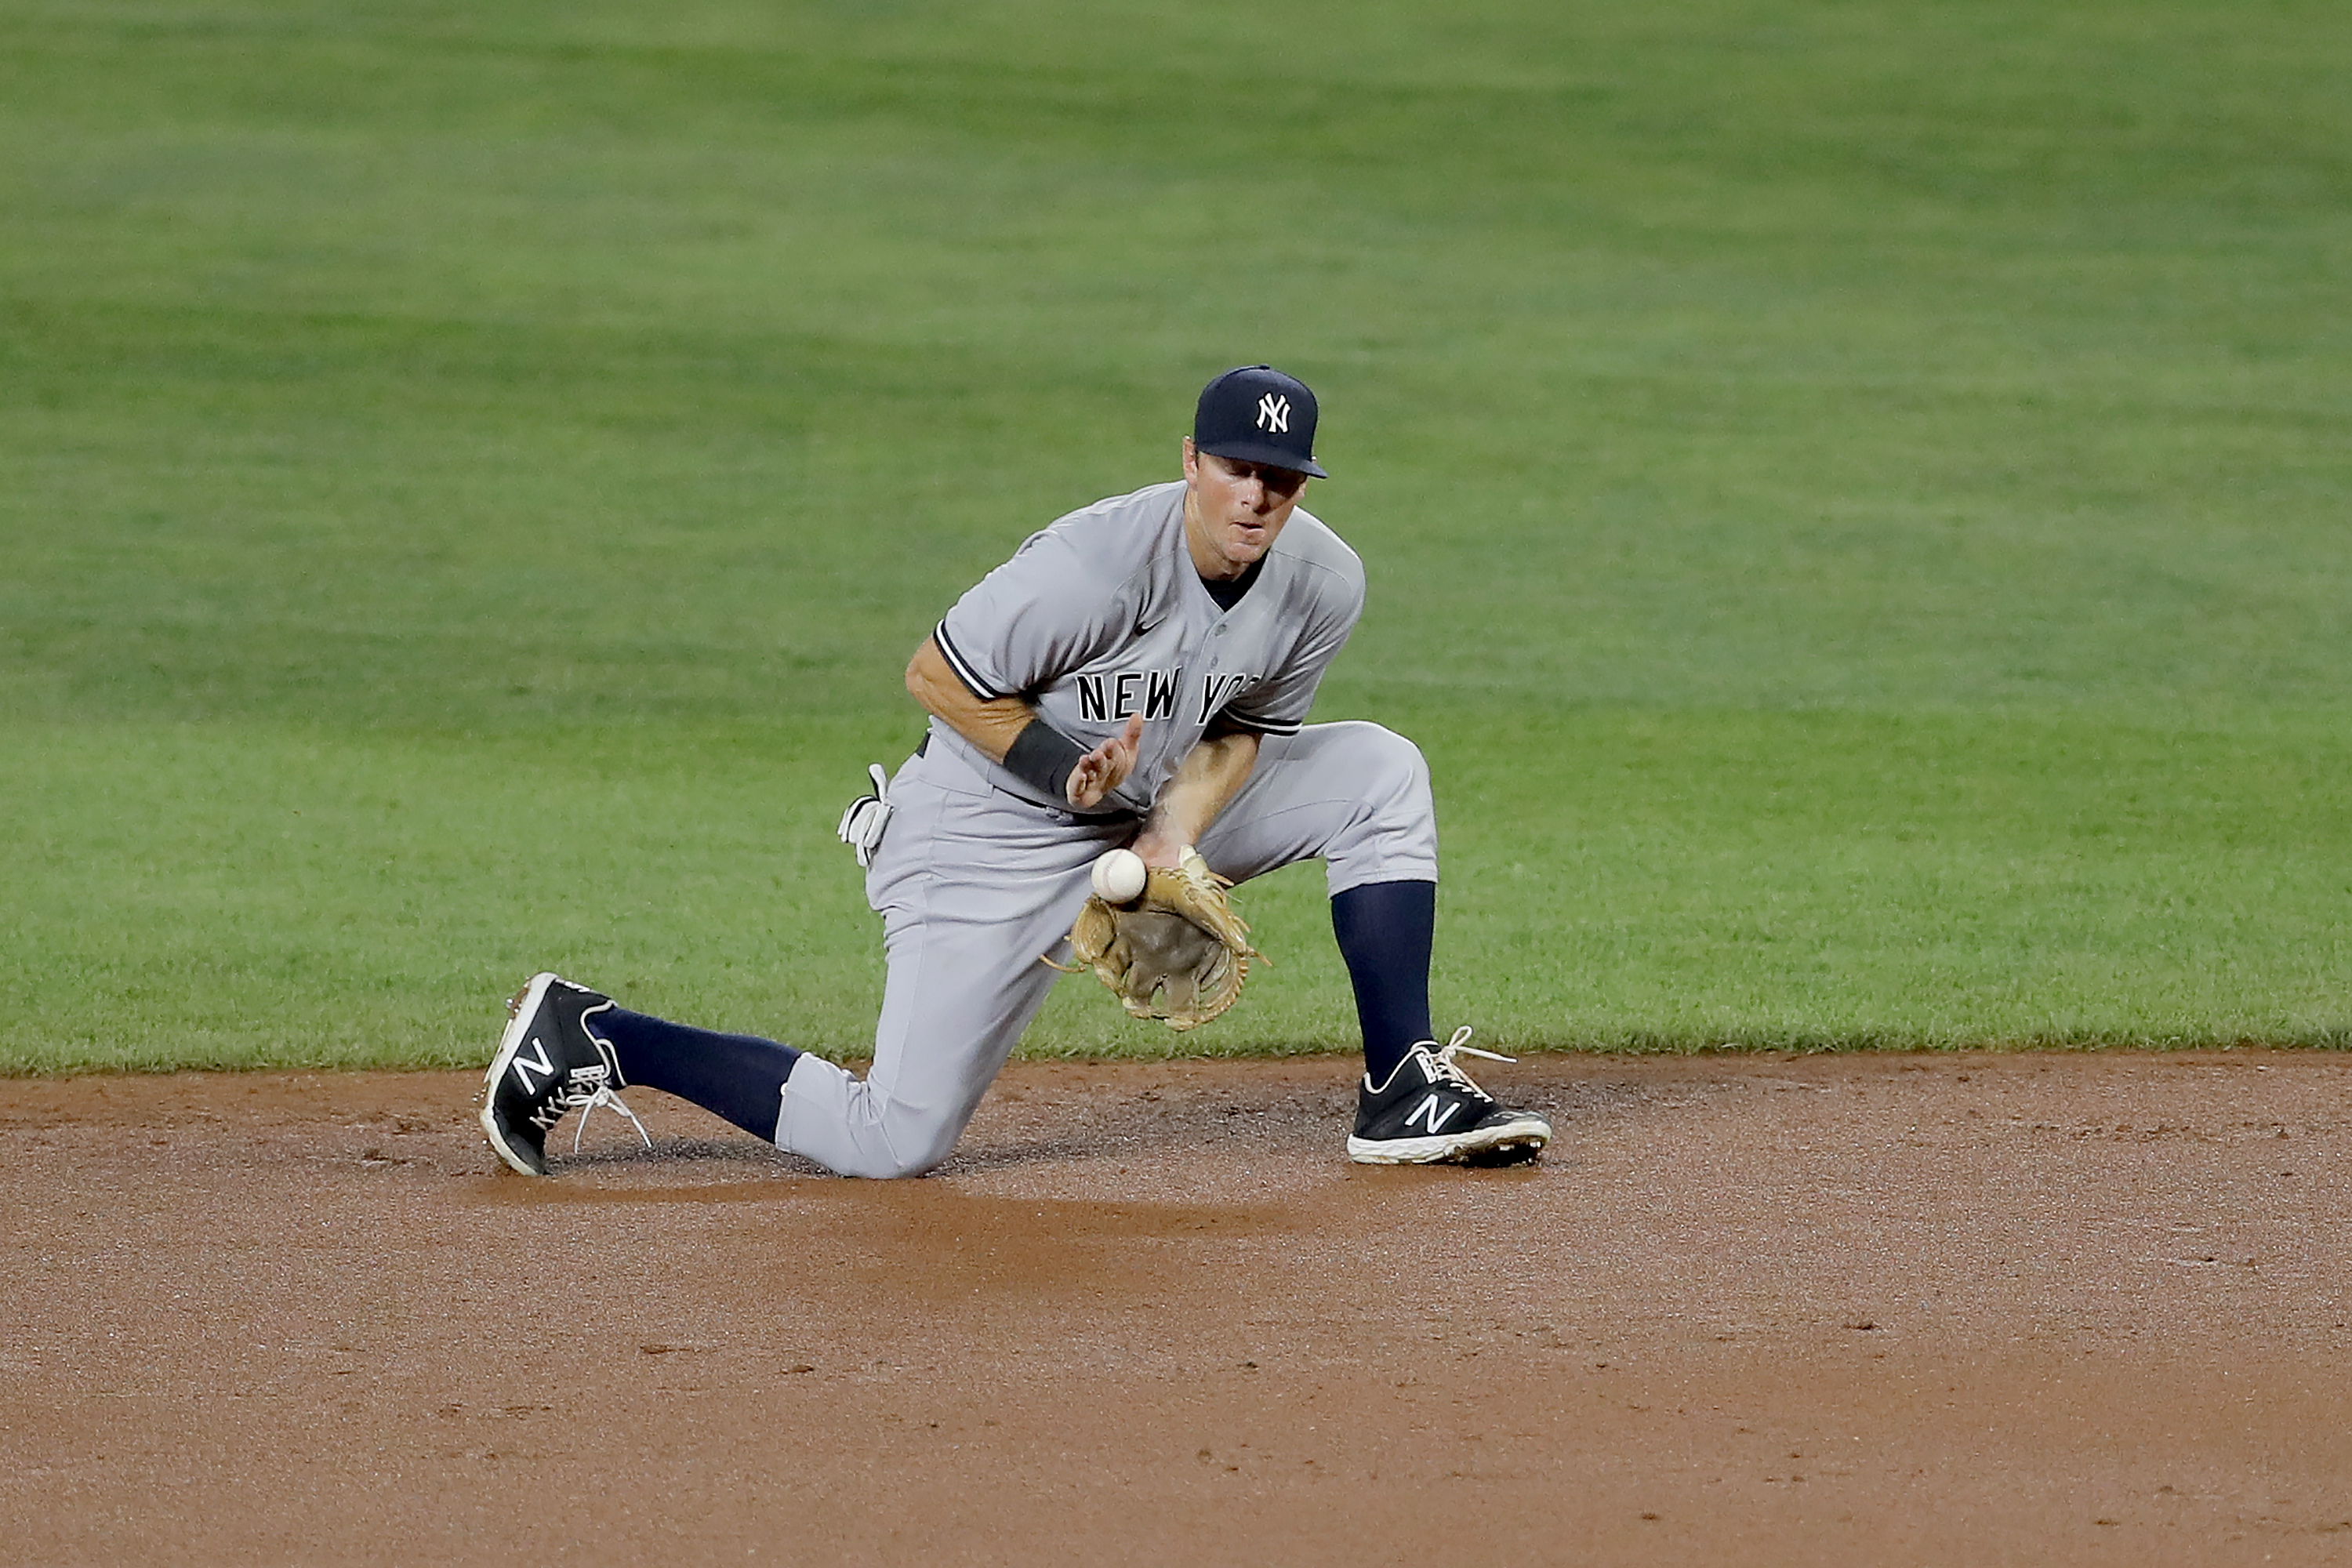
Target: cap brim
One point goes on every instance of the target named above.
(1272, 457)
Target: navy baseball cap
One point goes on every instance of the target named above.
(1257, 414)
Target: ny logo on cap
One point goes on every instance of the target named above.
(1274, 414)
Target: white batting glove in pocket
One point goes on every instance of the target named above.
(862, 825)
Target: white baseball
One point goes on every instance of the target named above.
(1119, 876)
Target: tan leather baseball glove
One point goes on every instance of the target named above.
(1178, 952)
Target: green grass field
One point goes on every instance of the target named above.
(1855, 493)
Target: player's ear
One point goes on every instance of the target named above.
(1192, 458)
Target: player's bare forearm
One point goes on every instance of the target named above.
(1211, 774)
(993, 724)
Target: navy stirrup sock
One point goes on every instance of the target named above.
(738, 1076)
(1385, 929)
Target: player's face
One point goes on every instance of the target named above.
(1234, 510)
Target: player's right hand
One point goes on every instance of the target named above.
(1105, 768)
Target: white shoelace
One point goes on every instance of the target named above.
(583, 1090)
(1451, 1070)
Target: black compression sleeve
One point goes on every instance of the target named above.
(1042, 758)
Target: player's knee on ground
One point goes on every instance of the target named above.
(846, 1126)
(917, 1145)
(898, 1147)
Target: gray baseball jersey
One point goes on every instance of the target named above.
(1102, 616)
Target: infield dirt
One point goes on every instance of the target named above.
(1958, 1308)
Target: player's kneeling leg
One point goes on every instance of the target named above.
(845, 1124)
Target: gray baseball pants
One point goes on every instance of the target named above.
(973, 884)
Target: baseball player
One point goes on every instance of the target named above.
(1138, 674)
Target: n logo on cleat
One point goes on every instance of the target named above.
(1433, 1112)
(523, 1068)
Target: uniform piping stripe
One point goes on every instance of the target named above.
(1262, 726)
(962, 669)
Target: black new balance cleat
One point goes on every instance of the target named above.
(1430, 1113)
(548, 1066)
